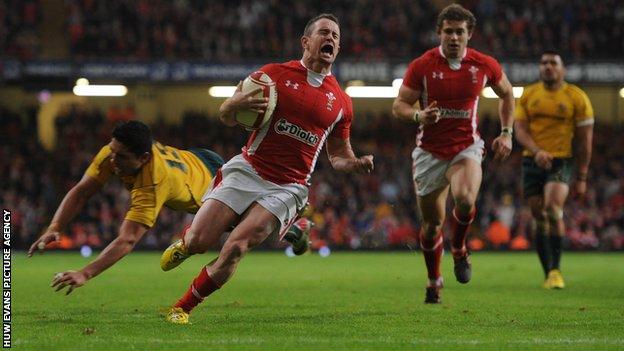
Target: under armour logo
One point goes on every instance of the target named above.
(292, 85)
(438, 75)
(473, 70)
(330, 100)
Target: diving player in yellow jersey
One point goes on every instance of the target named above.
(550, 116)
(155, 175)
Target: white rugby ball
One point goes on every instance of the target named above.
(249, 119)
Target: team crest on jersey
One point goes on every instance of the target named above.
(562, 108)
(438, 75)
(330, 100)
(473, 71)
(296, 132)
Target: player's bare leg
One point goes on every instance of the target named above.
(257, 224)
(555, 194)
(432, 209)
(540, 232)
(465, 179)
(210, 222)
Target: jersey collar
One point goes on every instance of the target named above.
(454, 64)
(314, 79)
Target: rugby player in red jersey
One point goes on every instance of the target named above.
(447, 81)
(263, 189)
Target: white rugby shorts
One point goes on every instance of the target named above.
(429, 172)
(241, 186)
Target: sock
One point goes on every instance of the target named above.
(542, 247)
(460, 231)
(432, 251)
(555, 251)
(201, 287)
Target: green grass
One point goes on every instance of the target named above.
(357, 301)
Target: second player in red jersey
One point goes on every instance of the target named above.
(447, 81)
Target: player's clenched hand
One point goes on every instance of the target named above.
(73, 279)
(365, 164)
(429, 115)
(579, 189)
(47, 237)
(501, 146)
(543, 159)
(246, 101)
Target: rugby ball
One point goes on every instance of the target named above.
(252, 120)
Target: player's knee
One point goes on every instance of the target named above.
(554, 213)
(431, 229)
(465, 201)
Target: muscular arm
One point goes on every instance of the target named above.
(524, 137)
(129, 234)
(343, 159)
(542, 158)
(403, 105)
(584, 137)
(504, 91)
(503, 143)
(71, 205)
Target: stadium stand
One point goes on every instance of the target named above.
(227, 30)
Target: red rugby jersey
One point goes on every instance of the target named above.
(456, 91)
(310, 107)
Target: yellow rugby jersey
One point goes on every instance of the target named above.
(552, 116)
(174, 178)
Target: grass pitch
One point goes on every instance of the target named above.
(356, 301)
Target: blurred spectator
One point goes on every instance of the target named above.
(243, 30)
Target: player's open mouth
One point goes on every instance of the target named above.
(327, 49)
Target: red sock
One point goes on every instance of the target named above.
(183, 232)
(460, 230)
(202, 286)
(432, 251)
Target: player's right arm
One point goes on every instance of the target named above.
(542, 158)
(241, 101)
(403, 107)
(71, 205)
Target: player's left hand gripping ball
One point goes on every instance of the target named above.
(251, 119)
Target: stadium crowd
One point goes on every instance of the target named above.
(229, 30)
(350, 212)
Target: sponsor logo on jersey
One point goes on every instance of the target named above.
(438, 75)
(453, 113)
(294, 131)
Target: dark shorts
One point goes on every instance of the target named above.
(211, 159)
(534, 178)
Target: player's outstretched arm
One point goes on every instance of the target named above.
(502, 145)
(343, 159)
(71, 205)
(129, 234)
(241, 101)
